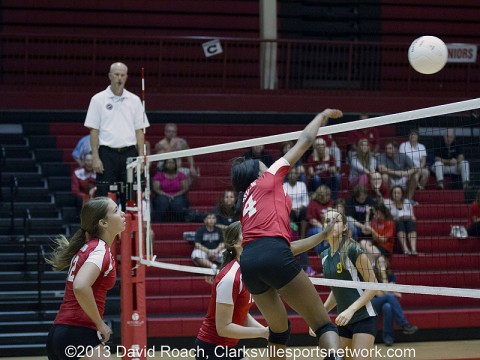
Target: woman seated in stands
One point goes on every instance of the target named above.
(225, 210)
(474, 221)
(170, 187)
(382, 230)
(402, 212)
(316, 210)
(322, 168)
(363, 169)
(387, 304)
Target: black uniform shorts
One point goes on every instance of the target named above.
(368, 325)
(67, 342)
(267, 263)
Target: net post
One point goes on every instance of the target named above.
(133, 295)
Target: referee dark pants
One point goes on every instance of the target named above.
(114, 168)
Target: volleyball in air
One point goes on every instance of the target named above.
(428, 54)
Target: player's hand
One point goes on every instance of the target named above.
(344, 317)
(104, 331)
(327, 228)
(332, 113)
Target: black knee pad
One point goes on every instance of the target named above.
(280, 338)
(325, 328)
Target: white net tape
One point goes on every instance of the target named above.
(145, 251)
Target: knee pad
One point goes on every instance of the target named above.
(325, 328)
(280, 338)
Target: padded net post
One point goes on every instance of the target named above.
(133, 295)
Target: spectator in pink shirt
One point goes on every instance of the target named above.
(171, 187)
(474, 223)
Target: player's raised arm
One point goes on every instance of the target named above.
(309, 134)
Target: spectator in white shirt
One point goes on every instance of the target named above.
(417, 152)
(297, 190)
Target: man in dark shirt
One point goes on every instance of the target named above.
(259, 153)
(209, 244)
(449, 159)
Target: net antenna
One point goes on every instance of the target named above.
(457, 107)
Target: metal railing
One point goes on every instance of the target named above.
(179, 64)
(13, 197)
(40, 271)
(27, 223)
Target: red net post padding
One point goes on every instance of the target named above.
(133, 299)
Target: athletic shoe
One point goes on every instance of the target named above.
(409, 329)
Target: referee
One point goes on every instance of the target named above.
(116, 120)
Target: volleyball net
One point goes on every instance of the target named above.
(437, 268)
(447, 260)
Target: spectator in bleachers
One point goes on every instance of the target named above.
(333, 149)
(116, 120)
(82, 148)
(370, 133)
(474, 221)
(322, 169)
(83, 181)
(402, 211)
(417, 152)
(171, 187)
(171, 142)
(225, 210)
(209, 244)
(339, 206)
(297, 190)
(356, 208)
(259, 153)
(363, 165)
(285, 147)
(397, 170)
(387, 304)
(450, 159)
(316, 209)
(382, 230)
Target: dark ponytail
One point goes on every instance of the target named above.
(243, 173)
(232, 237)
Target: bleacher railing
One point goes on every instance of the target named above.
(179, 63)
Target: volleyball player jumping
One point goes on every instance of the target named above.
(268, 266)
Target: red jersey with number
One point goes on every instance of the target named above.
(227, 288)
(95, 251)
(266, 206)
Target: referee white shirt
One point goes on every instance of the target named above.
(116, 118)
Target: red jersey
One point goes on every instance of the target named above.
(474, 212)
(385, 228)
(83, 181)
(95, 251)
(317, 211)
(371, 134)
(266, 207)
(227, 288)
